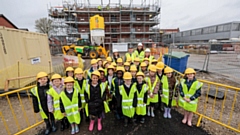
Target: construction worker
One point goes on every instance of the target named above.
(167, 91)
(139, 52)
(70, 104)
(95, 96)
(147, 54)
(129, 54)
(144, 68)
(116, 82)
(142, 94)
(94, 66)
(100, 63)
(128, 98)
(109, 60)
(137, 62)
(160, 69)
(115, 55)
(127, 66)
(69, 72)
(133, 70)
(190, 91)
(153, 84)
(39, 100)
(80, 84)
(53, 99)
(119, 62)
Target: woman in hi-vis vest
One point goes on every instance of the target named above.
(190, 90)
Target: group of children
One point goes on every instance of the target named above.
(130, 89)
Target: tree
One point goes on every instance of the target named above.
(44, 25)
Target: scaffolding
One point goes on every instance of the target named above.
(131, 22)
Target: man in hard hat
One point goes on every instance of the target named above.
(39, 100)
(129, 54)
(128, 98)
(70, 104)
(94, 67)
(115, 55)
(53, 100)
(139, 52)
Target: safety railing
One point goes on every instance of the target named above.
(219, 103)
(16, 112)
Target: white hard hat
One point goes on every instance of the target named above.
(147, 50)
(140, 44)
(115, 50)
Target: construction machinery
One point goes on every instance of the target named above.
(94, 48)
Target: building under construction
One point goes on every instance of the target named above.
(130, 22)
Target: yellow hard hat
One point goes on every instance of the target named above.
(96, 72)
(119, 60)
(120, 69)
(41, 74)
(69, 69)
(160, 65)
(190, 71)
(114, 64)
(69, 80)
(56, 76)
(153, 68)
(94, 61)
(140, 74)
(104, 63)
(129, 59)
(110, 67)
(168, 70)
(137, 59)
(127, 75)
(101, 69)
(109, 59)
(78, 71)
(99, 59)
(146, 59)
(154, 60)
(133, 68)
(126, 64)
(143, 64)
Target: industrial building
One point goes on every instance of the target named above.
(224, 31)
(124, 23)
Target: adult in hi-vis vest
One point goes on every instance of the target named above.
(142, 95)
(129, 55)
(53, 99)
(39, 99)
(70, 104)
(168, 92)
(95, 96)
(80, 84)
(128, 98)
(139, 52)
(190, 90)
(153, 84)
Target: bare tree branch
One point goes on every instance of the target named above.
(44, 25)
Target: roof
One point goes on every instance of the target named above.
(1, 15)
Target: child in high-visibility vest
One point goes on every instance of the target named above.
(70, 104)
(142, 94)
(128, 98)
(154, 62)
(137, 63)
(119, 62)
(39, 99)
(127, 66)
(100, 63)
(53, 99)
(80, 84)
(190, 90)
(160, 71)
(109, 77)
(69, 72)
(146, 60)
(144, 68)
(168, 92)
(94, 66)
(105, 66)
(95, 96)
(109, 60)
(153, 84)
(133, 71)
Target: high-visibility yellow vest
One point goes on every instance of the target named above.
(150, 59)
(165, 89)
(81, 91)
(139, 55)
(71, 107)
(127, 101)
(56, 104)
(128, 55)
(141, 108)
(103, 88)
(151, 88)
(35, 93)
(192, 105)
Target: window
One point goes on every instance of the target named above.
(235, 27)
(212, 29)
(186, 33)
(193, 32)
(205, 30)
(227, 27)
(198, 31)
(220, 28)
(178, 34)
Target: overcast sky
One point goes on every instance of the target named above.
(183, 14)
